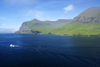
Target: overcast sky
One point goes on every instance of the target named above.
(14, 12)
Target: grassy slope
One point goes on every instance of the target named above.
(78, 29)
(45, 27)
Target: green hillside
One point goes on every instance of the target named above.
(36, 26)
(78, 29)
(89, 15)
(43, 25)
(86, 23)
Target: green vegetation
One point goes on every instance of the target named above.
(86, 23)
(89, 15)
(35, 26)
(44, 27)
(99, 14)
(78, 29)
(41, 26)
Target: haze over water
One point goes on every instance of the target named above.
(49, 51)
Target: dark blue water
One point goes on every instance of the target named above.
(49, 51)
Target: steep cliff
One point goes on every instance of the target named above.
(86, 23)
(89, 15)
(36, 26)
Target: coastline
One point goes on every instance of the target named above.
(64, 35)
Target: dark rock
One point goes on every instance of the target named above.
(49, 33)
(35, 32)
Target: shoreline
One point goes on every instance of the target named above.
(65, 35)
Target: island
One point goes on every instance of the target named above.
(86, 23)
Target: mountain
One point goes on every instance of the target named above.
(36, 26)
(86, 23)
(89, 15)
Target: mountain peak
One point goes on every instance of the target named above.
(89, 15)
(36, 19)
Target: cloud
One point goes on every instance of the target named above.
(69, 8)
(3, 18)
(35, 13)
(17, 2)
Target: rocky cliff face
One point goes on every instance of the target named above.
(89, 15)
(36, 26)
(24, 29)
(86, 23)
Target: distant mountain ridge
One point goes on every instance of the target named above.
(89, 15)
(36, 26)
(86, 23)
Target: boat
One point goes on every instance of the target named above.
(11, 45)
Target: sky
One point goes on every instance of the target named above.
(14, 12)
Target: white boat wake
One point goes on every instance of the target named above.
(11, 45)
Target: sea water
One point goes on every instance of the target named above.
(49, 51)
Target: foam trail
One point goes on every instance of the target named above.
(11, 45)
